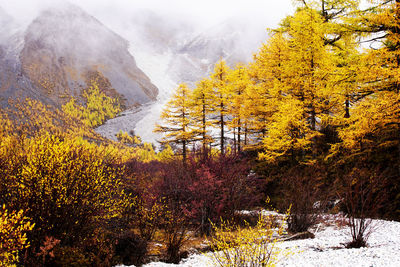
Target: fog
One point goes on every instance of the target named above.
(202, 14)
(155, 27)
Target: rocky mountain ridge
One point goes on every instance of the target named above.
(62, 52)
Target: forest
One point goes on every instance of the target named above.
(311, 125)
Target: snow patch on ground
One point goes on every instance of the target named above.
(328, 249)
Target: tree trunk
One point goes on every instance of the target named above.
(234, 140)
(222, 127)
(245, 134)
(184, 151)
(347, 108)
(204, 129)
(239, 129)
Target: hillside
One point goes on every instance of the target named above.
(62, 51)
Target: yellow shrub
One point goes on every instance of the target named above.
(97, 109)
(13, 228)
(125, 138)
(165, 155)
(30, 118)
(236, 246)
(66, 186)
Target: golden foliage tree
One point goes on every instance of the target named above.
(220, 81)
(289, 133)
(295, 73)
(239, 80)
(373, 120)
(268, 72)
(178, 128)
(202, 107)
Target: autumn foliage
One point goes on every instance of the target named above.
(315, 97)
(313, 118)
(13, 229)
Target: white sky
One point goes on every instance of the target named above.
(203, 12)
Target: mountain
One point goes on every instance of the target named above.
(7, 25)
(171, 52)
(191, 51)
(235, 40)
(12, 82)
(64, 48)
(62, 51)
(157, 33)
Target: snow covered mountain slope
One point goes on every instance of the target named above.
(64, 47)
(13, 82)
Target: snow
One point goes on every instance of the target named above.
(143, 119)
(328, 248)
(125, 122)
(156, 67)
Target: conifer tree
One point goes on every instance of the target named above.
(311, 64)
(219, 80)
(239, 80)
(374, 120)
(178, 128)
(202, 107)
(301, 80)
(383, 61)
(267, 73)
(289, 133)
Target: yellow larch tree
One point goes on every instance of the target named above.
(178, 127)
(311, 65)
(239, 80)
(202, 107)
(98, 107)
(219, 79)
(375, 122)
(304, 81)
(289, 133)
(267, 73)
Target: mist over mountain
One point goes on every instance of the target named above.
(174, 51)
(13, 83)
(234, 40)
(63, 50)
(138, 54)
(7, 25)
(158, 34)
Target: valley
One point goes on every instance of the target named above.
(199, 133)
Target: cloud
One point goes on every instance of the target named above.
(203, 13)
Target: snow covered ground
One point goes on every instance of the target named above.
(328, 248)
